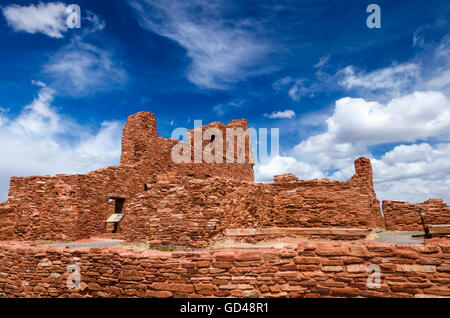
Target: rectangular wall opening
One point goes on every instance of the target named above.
(119, 205)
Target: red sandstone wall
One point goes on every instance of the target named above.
(142, 146)
(69, 206)
(404, 216)
(435, 212)
(192, 212)
(314, 269)
(76, 206)
(7, 221)
(182, 210)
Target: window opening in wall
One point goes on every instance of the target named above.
(119, 205)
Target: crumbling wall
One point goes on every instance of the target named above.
(435, 211)
(180, 209)
(68, 206)
(404, 216)
(7, 221)
(313, 269)
(76, 206)
(142, 146)
(186, 211)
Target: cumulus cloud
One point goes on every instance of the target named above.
(41, 141)
(412, 117)
(223, 51)
(413, 170)
(277, 165)
(289, 114)
(47, 18)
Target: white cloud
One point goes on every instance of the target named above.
(264, 172)
(281, 114)
(397, 77)
(440, 81)
(322, 61)
(412, 117)
(405, 109)
(47, 18)
(296, 88)
(81, 68)
(41, 141)
(223, 51)
(414, 173)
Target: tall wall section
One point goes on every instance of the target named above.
(141, 146)
(77, 206)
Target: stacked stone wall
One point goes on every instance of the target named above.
(404, 216)
(313, 269)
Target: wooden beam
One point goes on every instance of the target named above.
(441, 229)
(116, 196)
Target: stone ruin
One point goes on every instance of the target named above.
(149, 198)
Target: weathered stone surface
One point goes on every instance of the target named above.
(181, 204)
(191, 204)
(406, 278)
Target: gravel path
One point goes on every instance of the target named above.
(91, 244)
(405, 238)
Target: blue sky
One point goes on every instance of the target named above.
(336, 89)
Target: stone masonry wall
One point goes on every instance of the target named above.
(179, 209)
(76, 206)
(68, 206)
(191, 212)
(142, 146)
(313, 269)
(404, 216)
(435, 212)
(6, 221)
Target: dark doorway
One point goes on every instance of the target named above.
(119, 205)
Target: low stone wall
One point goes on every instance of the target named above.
(436, 212)
(404, 216)
(313, 269)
